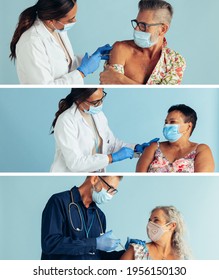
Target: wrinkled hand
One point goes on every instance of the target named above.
(89, 64)
(135, 241)
(110, 76)
(106, 243)
(122, 154)
(139, 148)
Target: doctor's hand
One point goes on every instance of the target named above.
(135, 241)
(122, 154)
(103, 51)
(89, 64)
(106, 243)
(139, 148)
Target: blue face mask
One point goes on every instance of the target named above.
(171, 132)
(67, 27)
(94, 110)
(101, 197)
(143, 39)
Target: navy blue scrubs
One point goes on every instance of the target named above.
(59, 239)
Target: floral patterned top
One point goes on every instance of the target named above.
(161, 164)
(168, 71)
(140, 252)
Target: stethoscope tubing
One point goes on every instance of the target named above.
(83, 226)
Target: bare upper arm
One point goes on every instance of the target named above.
(129, 254)
(146, 158)
(204, 161)
(119, 53)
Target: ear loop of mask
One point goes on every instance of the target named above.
(184, 132)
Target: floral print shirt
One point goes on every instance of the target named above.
(161, 164)
(168, 71)
(140, 252)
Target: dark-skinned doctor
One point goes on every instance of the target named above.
(73, 226)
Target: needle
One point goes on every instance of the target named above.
(121, 245)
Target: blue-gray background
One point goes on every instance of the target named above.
(193, 34)
(135, 115)
(22, 200)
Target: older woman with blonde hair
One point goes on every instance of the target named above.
(166, 231)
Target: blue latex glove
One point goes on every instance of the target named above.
(139, 148)
(104, 52)
(136, 241)
(122, 154)
(89, 64)
(106, 243)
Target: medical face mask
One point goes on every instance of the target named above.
(155, 231)
(94, 110)
(143, 39)
(171, 132)
(67, 27)
(101, 197)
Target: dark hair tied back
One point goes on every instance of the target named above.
(26, 20)
(45, 10)
(77, 95)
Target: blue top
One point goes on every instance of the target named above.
(59, 240)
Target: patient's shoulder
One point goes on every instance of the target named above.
(152, 148)
(202, 147)
(123, 45)
(120, 52)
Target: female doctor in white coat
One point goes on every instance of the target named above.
(42, 49)
(84, 141)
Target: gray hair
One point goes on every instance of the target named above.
(178, 242)
(165, 9)
(119, 177)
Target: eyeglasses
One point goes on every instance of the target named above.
(111, 189)
(97, 102)
(142, 25)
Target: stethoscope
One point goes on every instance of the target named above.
(83, 225)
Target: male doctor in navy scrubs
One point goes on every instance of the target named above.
(73, 226)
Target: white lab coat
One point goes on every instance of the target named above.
(75, 141)
(41, 60)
